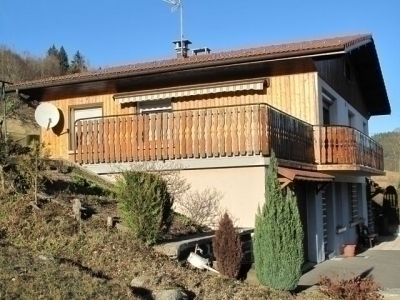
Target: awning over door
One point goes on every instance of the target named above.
(295, 174)
(200, 89)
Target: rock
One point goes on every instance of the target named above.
(110, 222)
(76, 208)
(171, 295)
(140, 281)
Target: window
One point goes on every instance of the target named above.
(353, 202)
(87, 113)
(154, 106)
(351, 119)
(327, 102)
(326, 115)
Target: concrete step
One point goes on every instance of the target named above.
(181, 247)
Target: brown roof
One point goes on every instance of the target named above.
(266, 52)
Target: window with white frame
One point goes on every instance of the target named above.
(154, 106)
(86, 113)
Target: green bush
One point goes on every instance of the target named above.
(278, 236)
(227, 248)
(145, 204)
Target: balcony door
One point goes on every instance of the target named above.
(326, 119)
(328, 103)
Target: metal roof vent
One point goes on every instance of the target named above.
(201, 51)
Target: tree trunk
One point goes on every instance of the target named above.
(36, 179)
(2, 180)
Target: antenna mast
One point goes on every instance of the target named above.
(177, 4)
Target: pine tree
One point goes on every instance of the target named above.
(53, 51)
(227, 248)
(278, 236)
(63, 58)
(78, 64)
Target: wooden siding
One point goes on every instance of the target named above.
(332, 71)
(293, 94)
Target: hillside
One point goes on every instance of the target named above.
(48, 251)
(16, 67)
(390, 142)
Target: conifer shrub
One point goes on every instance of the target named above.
(145, 204)
(227, 247)
(278, 236)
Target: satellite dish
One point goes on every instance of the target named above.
(47, 115)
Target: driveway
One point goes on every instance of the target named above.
(381, 261)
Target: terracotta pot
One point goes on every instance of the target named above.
(349, 250)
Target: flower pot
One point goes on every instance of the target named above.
(349, 250)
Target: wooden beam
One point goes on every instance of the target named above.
(284, 182)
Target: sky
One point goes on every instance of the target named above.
(116, 32)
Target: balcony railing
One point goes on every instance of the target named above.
(245, 130)
(346, 145)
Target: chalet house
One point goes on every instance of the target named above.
(219, 115)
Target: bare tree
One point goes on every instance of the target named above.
(201, 207)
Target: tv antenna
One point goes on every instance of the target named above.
(177, 4)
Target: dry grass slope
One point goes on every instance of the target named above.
(47, 254)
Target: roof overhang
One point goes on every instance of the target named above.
(365, 61)
(295, 174)
(193, 90)
(360, 48)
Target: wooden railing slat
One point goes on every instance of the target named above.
(171, 137)
(129, 139)
(242, 128)
(234, 131)
(177, 142)
(202, 132)
(146, 141)
(152, 136)
(195, 135)
(101, 140)
(118, 140)
(159, 136)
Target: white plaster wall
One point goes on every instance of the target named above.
(339, 109)
(243, 189)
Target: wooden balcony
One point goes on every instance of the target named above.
(346, 146)
(199, 133)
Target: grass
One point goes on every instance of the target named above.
(47, 254)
